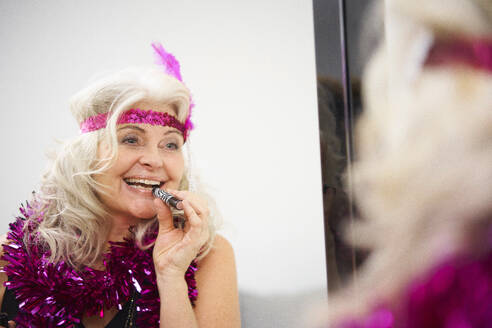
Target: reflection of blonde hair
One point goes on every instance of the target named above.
(75, 224)
(423, 181)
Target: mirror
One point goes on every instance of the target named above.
(250, 66)
(344, 39)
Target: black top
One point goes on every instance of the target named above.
(10, 305)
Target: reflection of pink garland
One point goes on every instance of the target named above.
(456, 293)
(56, 295)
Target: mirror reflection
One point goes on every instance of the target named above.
(422, 171)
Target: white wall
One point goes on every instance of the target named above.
(250, 65)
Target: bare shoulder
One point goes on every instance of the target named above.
(221, 244)
(218, 266)
(218, 301)
(221, 251)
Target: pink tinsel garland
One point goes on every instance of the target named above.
(57, 295)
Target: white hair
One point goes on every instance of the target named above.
(75, 224)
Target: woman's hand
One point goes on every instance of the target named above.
(175, 248)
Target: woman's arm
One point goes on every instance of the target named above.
(217, 304)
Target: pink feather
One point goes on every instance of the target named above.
(168, 61)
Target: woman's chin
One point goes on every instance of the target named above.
(142, 209)
(147, 217)
(144, 214)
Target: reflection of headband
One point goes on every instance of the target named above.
(135, 116)
(475, 53)
(172, 68)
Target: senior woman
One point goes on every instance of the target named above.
(95, 248)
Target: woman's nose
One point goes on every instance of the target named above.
(151, 158)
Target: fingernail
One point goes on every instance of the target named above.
(179, 205)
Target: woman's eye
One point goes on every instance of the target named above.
(172, 146)
(129, 140)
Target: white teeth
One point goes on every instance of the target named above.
(147, 182)
(140, 187)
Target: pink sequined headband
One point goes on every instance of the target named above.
(135, 116)
(171, 67)
(475, 53)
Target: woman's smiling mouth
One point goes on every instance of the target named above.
(143, 184)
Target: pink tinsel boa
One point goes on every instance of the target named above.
(57, 295)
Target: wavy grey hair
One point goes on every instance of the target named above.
(75, 222)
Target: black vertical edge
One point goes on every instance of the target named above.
(349, 115)
(325, 224)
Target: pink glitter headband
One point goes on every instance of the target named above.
(475, 53)
(135, 116)
(171, 67)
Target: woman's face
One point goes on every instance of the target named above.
(148, 155)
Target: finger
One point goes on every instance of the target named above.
(195, 223)
(198, 230)
(164, 215)
(198, 203)
(12, 324)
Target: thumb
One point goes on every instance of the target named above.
(164, 215)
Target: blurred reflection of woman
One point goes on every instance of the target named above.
(424, 173)
(94, 248)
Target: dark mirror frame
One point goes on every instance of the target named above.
(339, 63)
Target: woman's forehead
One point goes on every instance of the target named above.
(157, 107)
(144, 128)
